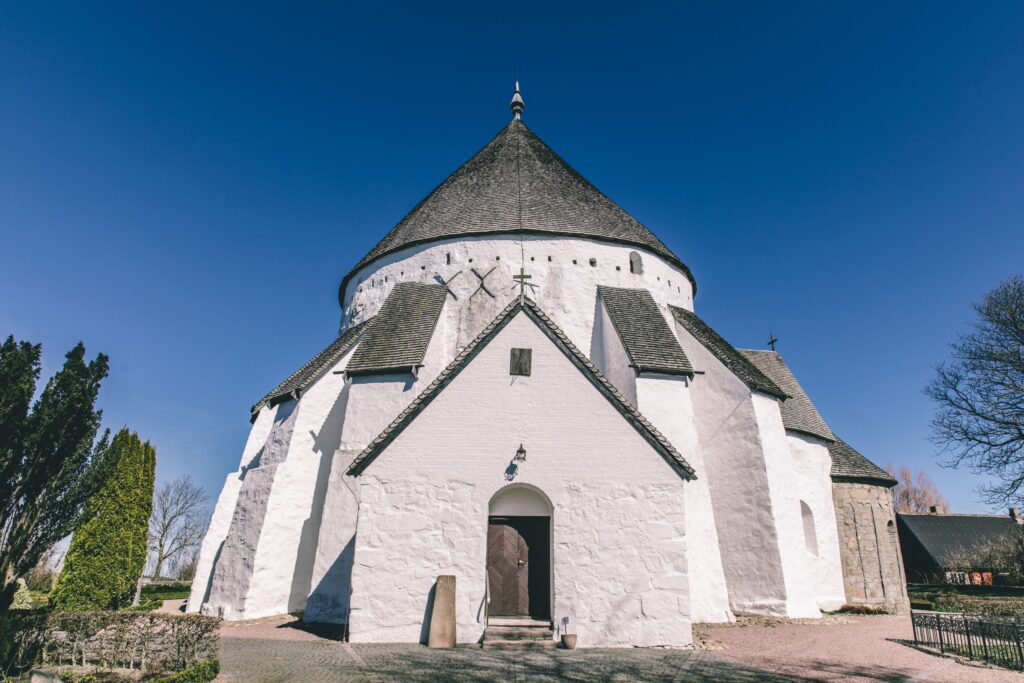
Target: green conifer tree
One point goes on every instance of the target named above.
(108, 552)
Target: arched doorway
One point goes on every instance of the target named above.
(519, 554)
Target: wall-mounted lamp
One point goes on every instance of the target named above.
(521, 454)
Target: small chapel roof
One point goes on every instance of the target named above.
(644, 333)
(849, 465)
(740, 366)
(398, 339)
(516, 184)
(312, 369)
(949, 538)
(647, 430)
(798, 412)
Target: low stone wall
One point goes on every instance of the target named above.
(148, 641)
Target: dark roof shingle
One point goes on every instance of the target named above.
(315, 367)
(647, 430)
(483, 196)
(644, 333)
(747, 372)
(401, 331)
(949, 538)
(849, 465)
(798, 413)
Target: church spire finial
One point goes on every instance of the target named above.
(517, 105)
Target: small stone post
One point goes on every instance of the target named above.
(442, 617)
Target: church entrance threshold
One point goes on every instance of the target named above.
(519, 567)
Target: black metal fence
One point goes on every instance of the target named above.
(998, 640)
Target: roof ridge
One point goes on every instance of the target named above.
(726, 353)
(341, 344)
(446, 376)
(799, 414)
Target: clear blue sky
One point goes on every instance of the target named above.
(183, 185)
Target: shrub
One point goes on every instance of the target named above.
(108, 552)
(150, 641)
(922, 604)
(862, 609)
(22, 596)
(202, 672)
(980, 605)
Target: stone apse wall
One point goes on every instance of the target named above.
(869, 546)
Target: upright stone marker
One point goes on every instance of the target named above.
(442, 617)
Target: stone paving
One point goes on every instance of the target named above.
(835, 648)
(245, 659)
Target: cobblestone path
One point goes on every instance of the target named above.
(256, 660)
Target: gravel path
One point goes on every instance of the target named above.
(843, 648)
(855, 649)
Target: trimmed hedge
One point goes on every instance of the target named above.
(150, 641)
(950, 602)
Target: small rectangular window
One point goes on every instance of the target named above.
(520, 362)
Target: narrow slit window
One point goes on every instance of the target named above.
(636, 264)
(810, 535)
(521, 362)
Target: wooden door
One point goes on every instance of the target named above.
(517, 566)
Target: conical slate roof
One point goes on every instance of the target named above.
(516, 183)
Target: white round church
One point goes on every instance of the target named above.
(522, 396)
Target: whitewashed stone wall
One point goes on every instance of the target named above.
(266, 560)
(220, 521)
(565, 290)
(811, 482)
(666, 402)
(619, 521)
(785, 492)
(609, 355)
(738, 479)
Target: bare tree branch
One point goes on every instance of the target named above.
(179, 521)
(979, 422)
(915, 492)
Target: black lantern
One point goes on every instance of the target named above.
(520, 454)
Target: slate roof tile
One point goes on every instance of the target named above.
(849, 465)
(798, 413)
(314, 367)
(559, 338)
(948, 537)
(644, 333)
(483, 196)
(401, 331)
(746, 371)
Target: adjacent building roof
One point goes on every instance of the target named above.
(644, 333)
(313, 368)
(798, 413)
(647, 430)
(849, 465)
(516, 184)
(401, 331)
(746, 371)
(948, 539)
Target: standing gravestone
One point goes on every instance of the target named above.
(442, 617)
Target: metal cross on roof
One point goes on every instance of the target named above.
(772, 341)
(522, 278)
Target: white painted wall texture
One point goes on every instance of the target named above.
(619, 548)
(638, 553)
